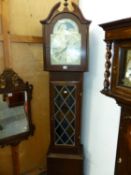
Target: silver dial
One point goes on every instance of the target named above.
(65, 43)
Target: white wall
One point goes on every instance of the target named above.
(100, 113)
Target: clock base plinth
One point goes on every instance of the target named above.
(64, 164)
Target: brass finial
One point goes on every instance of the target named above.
(66, 3)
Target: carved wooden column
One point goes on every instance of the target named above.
(107, 67)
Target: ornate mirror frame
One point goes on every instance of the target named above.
(17, 94)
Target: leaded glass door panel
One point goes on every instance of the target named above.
(65, 107)
(64, 114)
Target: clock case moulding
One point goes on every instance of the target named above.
(48, 26)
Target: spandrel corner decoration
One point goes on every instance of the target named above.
(15, 108)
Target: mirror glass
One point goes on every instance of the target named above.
(13, 114)
(15, 108)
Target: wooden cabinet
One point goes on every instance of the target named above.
(67, 163)
(117, 84)
(65, 155)
(123, 158)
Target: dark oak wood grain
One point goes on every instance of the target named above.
(65, 153)
(118, 40)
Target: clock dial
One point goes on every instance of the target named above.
(66, 43)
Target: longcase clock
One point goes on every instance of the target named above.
(65, 47)
(117, 84)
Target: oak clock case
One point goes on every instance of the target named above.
(65, 43)
(117, 84)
